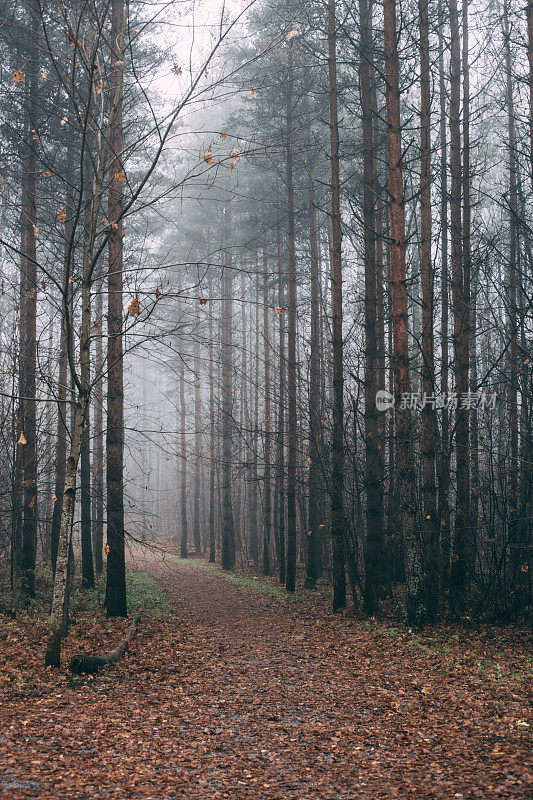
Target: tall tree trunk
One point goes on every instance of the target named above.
(467, 263)
(268, 424)
(315, 427)
(292, 440)
(429, 414)
(406, 488)
(87, 568)
(444, 449)
(183, 449)
(394, 533)
(380, 334)
(62, 573)
(212, 467)
(280, 456)
(374, 456)
(529, 14)
(63, 358)
(517, 547)
(197, 448)
(98, 441)
(48, 455)
(526, 453)
(115, 600)
(467, 258)
(246, 426)
(28, 322)
(254, 400)
(228, 528)
(337, 449)
(61, 445)
(461, 311)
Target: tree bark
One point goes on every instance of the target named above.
(254, 428)
(62, 576)
(62, 421)
(268, 425)
(529, 14)
(183, 449)
(337, 448)
(197, 449)
(280, 456)
(91, 664)
(87, 567)
(115, 600)
(292, 432)
(374, 543)
(228, 528)
(98, 442)
(517, 547)
(444, 449)
(460, 302)
(28, 322)
(212, 465)
(406, 488)
(429, 414)
(315, 427)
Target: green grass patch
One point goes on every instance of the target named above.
(145, 595)
(256, 583)
(243, 581)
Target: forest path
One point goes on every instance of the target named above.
(286, 704)
(231, 694)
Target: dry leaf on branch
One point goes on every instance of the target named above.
(134, 307)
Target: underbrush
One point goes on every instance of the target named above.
(23, 633)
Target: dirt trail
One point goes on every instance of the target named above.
(287, 705)
(273, 701)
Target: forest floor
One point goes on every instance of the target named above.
(231, 691)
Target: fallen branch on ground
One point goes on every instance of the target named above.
(91, 664)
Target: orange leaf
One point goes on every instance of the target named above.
(22, 438)
(134, 307)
